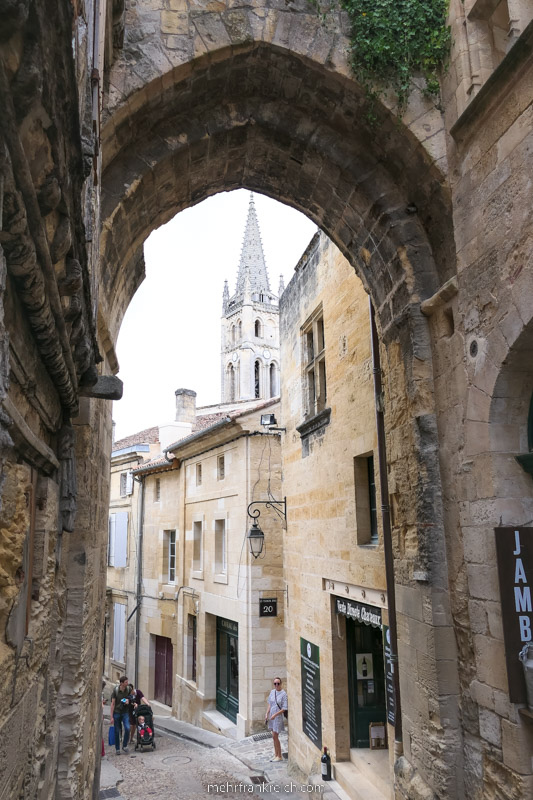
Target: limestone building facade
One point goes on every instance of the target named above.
(205, 651)
(338, 618)
(431, 209)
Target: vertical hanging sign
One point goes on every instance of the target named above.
(514, 556)
(390, 695)
(311, 706)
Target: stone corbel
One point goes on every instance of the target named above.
(107, 387)
(440, 298)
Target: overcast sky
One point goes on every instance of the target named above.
(170, 337)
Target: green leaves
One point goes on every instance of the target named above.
(392, 40)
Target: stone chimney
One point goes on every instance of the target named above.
(182, 426)
(185, 406)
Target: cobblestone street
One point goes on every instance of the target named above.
(182, 769)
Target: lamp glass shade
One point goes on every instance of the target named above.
(256, 538)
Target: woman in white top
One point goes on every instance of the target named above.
(276, 705)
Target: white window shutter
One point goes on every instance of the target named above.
(111, 541)
(121, 538)
(129, 482)
(119, 631)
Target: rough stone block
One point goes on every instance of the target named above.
(517, 746)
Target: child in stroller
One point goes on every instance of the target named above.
(145, 727)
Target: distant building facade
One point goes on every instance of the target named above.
(204, 649)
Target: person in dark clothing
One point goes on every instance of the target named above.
(120, 702)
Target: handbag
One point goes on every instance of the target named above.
(111, 735)
(285, 711)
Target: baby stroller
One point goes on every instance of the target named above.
(148, 740)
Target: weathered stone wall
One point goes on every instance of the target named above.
(481, 332)
(51, 557)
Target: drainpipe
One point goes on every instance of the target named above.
(387, 532)
(139, 578)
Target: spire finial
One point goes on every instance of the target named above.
(225, 297)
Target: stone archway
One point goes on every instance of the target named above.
(275, 122)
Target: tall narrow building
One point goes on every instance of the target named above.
(250, 325)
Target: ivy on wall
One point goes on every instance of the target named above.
(393, 40)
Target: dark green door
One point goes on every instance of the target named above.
(366, 680)
(227, 668)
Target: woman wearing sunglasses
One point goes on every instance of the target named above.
(276, 712)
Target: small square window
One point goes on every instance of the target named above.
(221, 468)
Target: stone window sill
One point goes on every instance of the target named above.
(198, 574)
(315, 423)
(220, 577)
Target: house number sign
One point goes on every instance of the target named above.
(268, 607)
(514, 556)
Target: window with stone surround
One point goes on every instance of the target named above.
(221, 566)
(314, 364)
(126, 483)
(190, 647)
(157, 490)
(365, 500)
(221, 468)
(197, 552)
(492, 27)
(257, 380)
(169, 557)
(198, 474)
(257, 329)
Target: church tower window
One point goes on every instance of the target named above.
(258, 332)
(231, 383)
(273, 387)
(257, 382)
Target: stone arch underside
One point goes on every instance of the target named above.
(275, 123)
(272, 122)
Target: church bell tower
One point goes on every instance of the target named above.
(250, 325)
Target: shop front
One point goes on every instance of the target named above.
(366, 671)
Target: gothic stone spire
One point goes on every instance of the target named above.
(252, 256)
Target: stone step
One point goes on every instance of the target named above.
(359, 786)
(375, 766)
